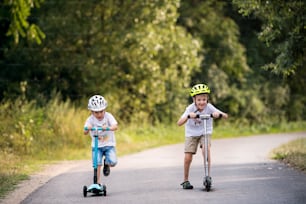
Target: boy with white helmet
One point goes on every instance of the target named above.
(99, 118)
(194, 128)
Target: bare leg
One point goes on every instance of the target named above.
(99, 174)
(187, 162)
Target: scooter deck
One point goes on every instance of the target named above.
(96, 189)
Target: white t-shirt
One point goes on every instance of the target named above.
(195, 127)
(108, 138)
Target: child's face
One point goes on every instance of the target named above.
(201, 101)
(99, 114)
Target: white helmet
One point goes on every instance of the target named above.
(97, 103)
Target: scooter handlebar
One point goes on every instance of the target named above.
(207, 116)
(97, 129)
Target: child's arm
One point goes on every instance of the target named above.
(112, 124)
(87, 129)
(182, 121)
(113, 127)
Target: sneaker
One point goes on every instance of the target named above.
(106, 169)
(187, 185)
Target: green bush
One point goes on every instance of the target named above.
(30, 130)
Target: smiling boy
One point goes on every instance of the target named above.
(194, 128)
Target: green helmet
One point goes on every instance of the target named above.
(199, 89)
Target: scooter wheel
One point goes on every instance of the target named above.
(208, 188)
(84, 191)
(104, 190)
(207, 183)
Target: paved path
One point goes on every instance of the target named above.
(241, 171)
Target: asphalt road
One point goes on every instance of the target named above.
(241, 172)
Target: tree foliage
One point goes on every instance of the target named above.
(220, 36)
(283, 29)
(144, 55)
(16, 15)
(131, 52)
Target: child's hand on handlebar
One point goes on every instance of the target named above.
(105, 128)
(192, 115)
(219, 115)
(87, 129)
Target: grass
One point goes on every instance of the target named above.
(14, 169)
(292, 153)
(134, 139)
(131, 139)
(9, 182)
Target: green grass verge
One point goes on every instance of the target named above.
(292, 153)
(9, 182)
(13, 170)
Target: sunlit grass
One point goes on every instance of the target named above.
(9, 181)
(293, 153)
(136, 138)
(225, 129)
(14, 169)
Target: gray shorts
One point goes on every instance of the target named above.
(191, 143)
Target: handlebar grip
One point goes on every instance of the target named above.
(220, 115)
(207, 116)
(199, 116)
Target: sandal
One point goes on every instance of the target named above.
(187, 185)
(106, 169)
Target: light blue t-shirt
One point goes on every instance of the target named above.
(108, 138)
(195, 127)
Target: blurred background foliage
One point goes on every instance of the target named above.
(143, 57)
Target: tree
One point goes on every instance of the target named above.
(15, 20)
(283, 29)
(220, 35)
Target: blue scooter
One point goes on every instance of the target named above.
(95, 188)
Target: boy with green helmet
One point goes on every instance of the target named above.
(194, 128)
